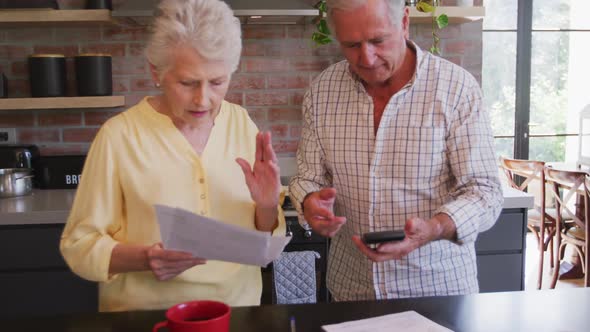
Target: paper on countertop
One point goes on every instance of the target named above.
(403, 321)
(214, 240)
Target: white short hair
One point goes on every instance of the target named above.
(396, 9)
(208, 26)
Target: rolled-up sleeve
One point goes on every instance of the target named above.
(87, 243)
(475, 202)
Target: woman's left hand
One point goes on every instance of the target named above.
(263, 179)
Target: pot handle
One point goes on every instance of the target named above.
(24, 177)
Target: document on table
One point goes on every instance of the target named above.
(212, 239)
(403, 321)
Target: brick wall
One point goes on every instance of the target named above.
(278, 63)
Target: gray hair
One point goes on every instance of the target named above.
(396, 9)
(208, 26)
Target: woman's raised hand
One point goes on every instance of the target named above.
(263, 179)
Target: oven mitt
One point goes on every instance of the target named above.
(294, 277)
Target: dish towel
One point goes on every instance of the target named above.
(294, 277)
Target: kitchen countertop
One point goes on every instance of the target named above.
(514, 199)
(53, 206)
(545, 310)
(40, 207)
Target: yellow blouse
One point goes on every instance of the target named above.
(139, 158)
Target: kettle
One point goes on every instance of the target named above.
(20, 156)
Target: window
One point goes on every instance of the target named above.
(559, 39)
(499, 70)
(560, 45)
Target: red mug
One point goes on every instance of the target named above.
(196, 316)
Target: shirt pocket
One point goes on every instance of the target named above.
(414, 157)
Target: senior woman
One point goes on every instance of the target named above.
(187, 148)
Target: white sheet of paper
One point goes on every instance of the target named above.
(211, 239)
(403, 321)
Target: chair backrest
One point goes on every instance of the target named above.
(531, 173)
(529, 170)
(570, 191)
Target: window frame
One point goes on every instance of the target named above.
(524, 34)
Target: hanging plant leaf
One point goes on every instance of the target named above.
(424, 7)
(323, 27)
(322, 35)
(442, 20)
(435, 50)
(320, 38)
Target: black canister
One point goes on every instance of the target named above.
(47, 75)
(3, 86)
(99, 4)
(19, 4)
(94, 74)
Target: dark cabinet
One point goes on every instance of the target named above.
(46, 293)
(501, 253)
(34, 276)
(500, 256)
(500, 273)
(33, 247)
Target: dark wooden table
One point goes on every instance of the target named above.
(547, 310)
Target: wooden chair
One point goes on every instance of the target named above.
(540, 219)
(568, 187)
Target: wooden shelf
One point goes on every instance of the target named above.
(9, 17)
(456, 15)
(61, 102)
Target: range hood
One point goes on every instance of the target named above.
(249, 11)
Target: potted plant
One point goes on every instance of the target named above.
(438, 21)
(322, 35)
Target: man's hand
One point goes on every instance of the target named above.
(418, 233)
(167, 264)
(318, 210)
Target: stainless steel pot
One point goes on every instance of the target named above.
(15, 182)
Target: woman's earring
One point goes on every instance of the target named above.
(158, 85)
